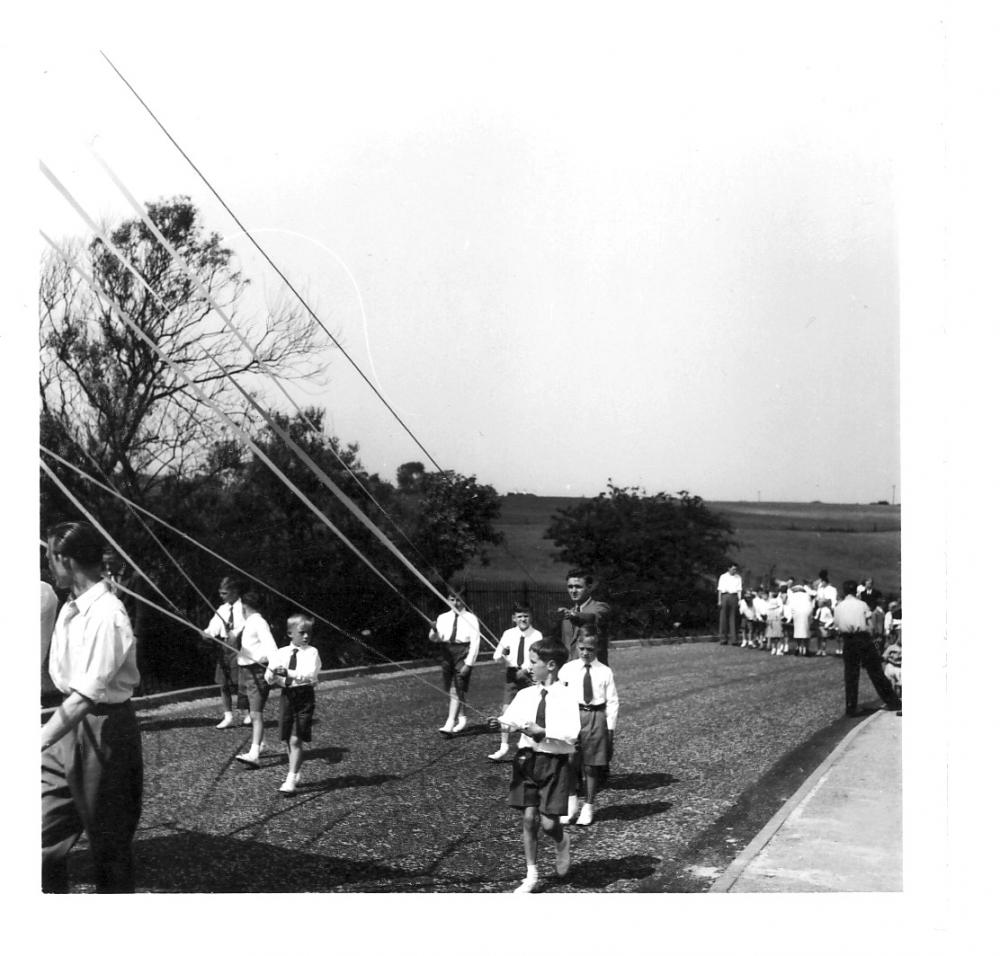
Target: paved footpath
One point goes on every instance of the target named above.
(842, 830)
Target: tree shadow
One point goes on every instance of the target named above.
(175, 723)
(199, 863)
(639, 781)
(632, 811)
(597, 874)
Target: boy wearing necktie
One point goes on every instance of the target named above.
(296, 670)
(548, 719)
(593, 686)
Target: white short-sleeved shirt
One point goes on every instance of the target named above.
(93, 648)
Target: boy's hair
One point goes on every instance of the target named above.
(548, 650)
(520, 608)
(253, 599)
(305, 620)
(77, 540)
(237, 584)
(587, 630)
(850, 588)
(588, 578)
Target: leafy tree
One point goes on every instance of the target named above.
(656, 556)
(113, 395)
(447, 516)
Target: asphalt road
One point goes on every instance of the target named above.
(711, 741)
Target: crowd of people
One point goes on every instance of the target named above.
(812, 617)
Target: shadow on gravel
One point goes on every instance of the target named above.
(346, 782)
(596, 874)
(199, 863)
(639, 781)
(632, 811)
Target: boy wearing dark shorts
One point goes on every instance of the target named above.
(257, 650)
(296, 670)
(593, 687)
(548, 719)
(457, 634)
(227, 625)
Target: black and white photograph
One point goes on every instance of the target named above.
(482, 450)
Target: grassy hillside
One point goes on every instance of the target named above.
(783, 538)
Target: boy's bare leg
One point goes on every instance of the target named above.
(296, 752)
(257, 722)
(529, 828)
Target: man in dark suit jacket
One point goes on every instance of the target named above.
(585, 611)
(870, 595)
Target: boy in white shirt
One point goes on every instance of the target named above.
(227, 625)
(457, 633)
(296, 669)
(547, 716)
(593, 687)
(257, 648)
(515, 643)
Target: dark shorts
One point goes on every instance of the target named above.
(541, 780)
(227, 675)
(593, 741)
(295, 713)
(252, 684)
(512, 684)
(452, 660)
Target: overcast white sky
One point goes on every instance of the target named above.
(660, 248)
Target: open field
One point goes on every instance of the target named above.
(792, 538)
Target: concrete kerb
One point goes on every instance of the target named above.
(735, 869)
(152, 701)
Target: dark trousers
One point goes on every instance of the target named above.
(859, 651)
(92, 781)
(728, 616)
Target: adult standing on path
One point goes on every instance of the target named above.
(457, 630)
(851, 619)
(729, 589)
(91, 751)
(585, 612)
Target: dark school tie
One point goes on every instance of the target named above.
(454, 630)
(520, 650)
(540, 713)
(231, 623)
(588, 687)
(292, 661)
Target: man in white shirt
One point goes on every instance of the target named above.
(729, 589)
(457, 633)
(515, 643)
(91, 749)
(851, 618)
(227, 625)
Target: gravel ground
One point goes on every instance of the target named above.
(711, 740)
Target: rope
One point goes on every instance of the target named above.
(289, 441)
(271, 262)
(243, 573)
(241, 433)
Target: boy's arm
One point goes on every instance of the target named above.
(470, 658)
(67, 715)
(501, 647)
(611, 710)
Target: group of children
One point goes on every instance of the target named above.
(788, 616)
(251, 663)
(564, 712)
